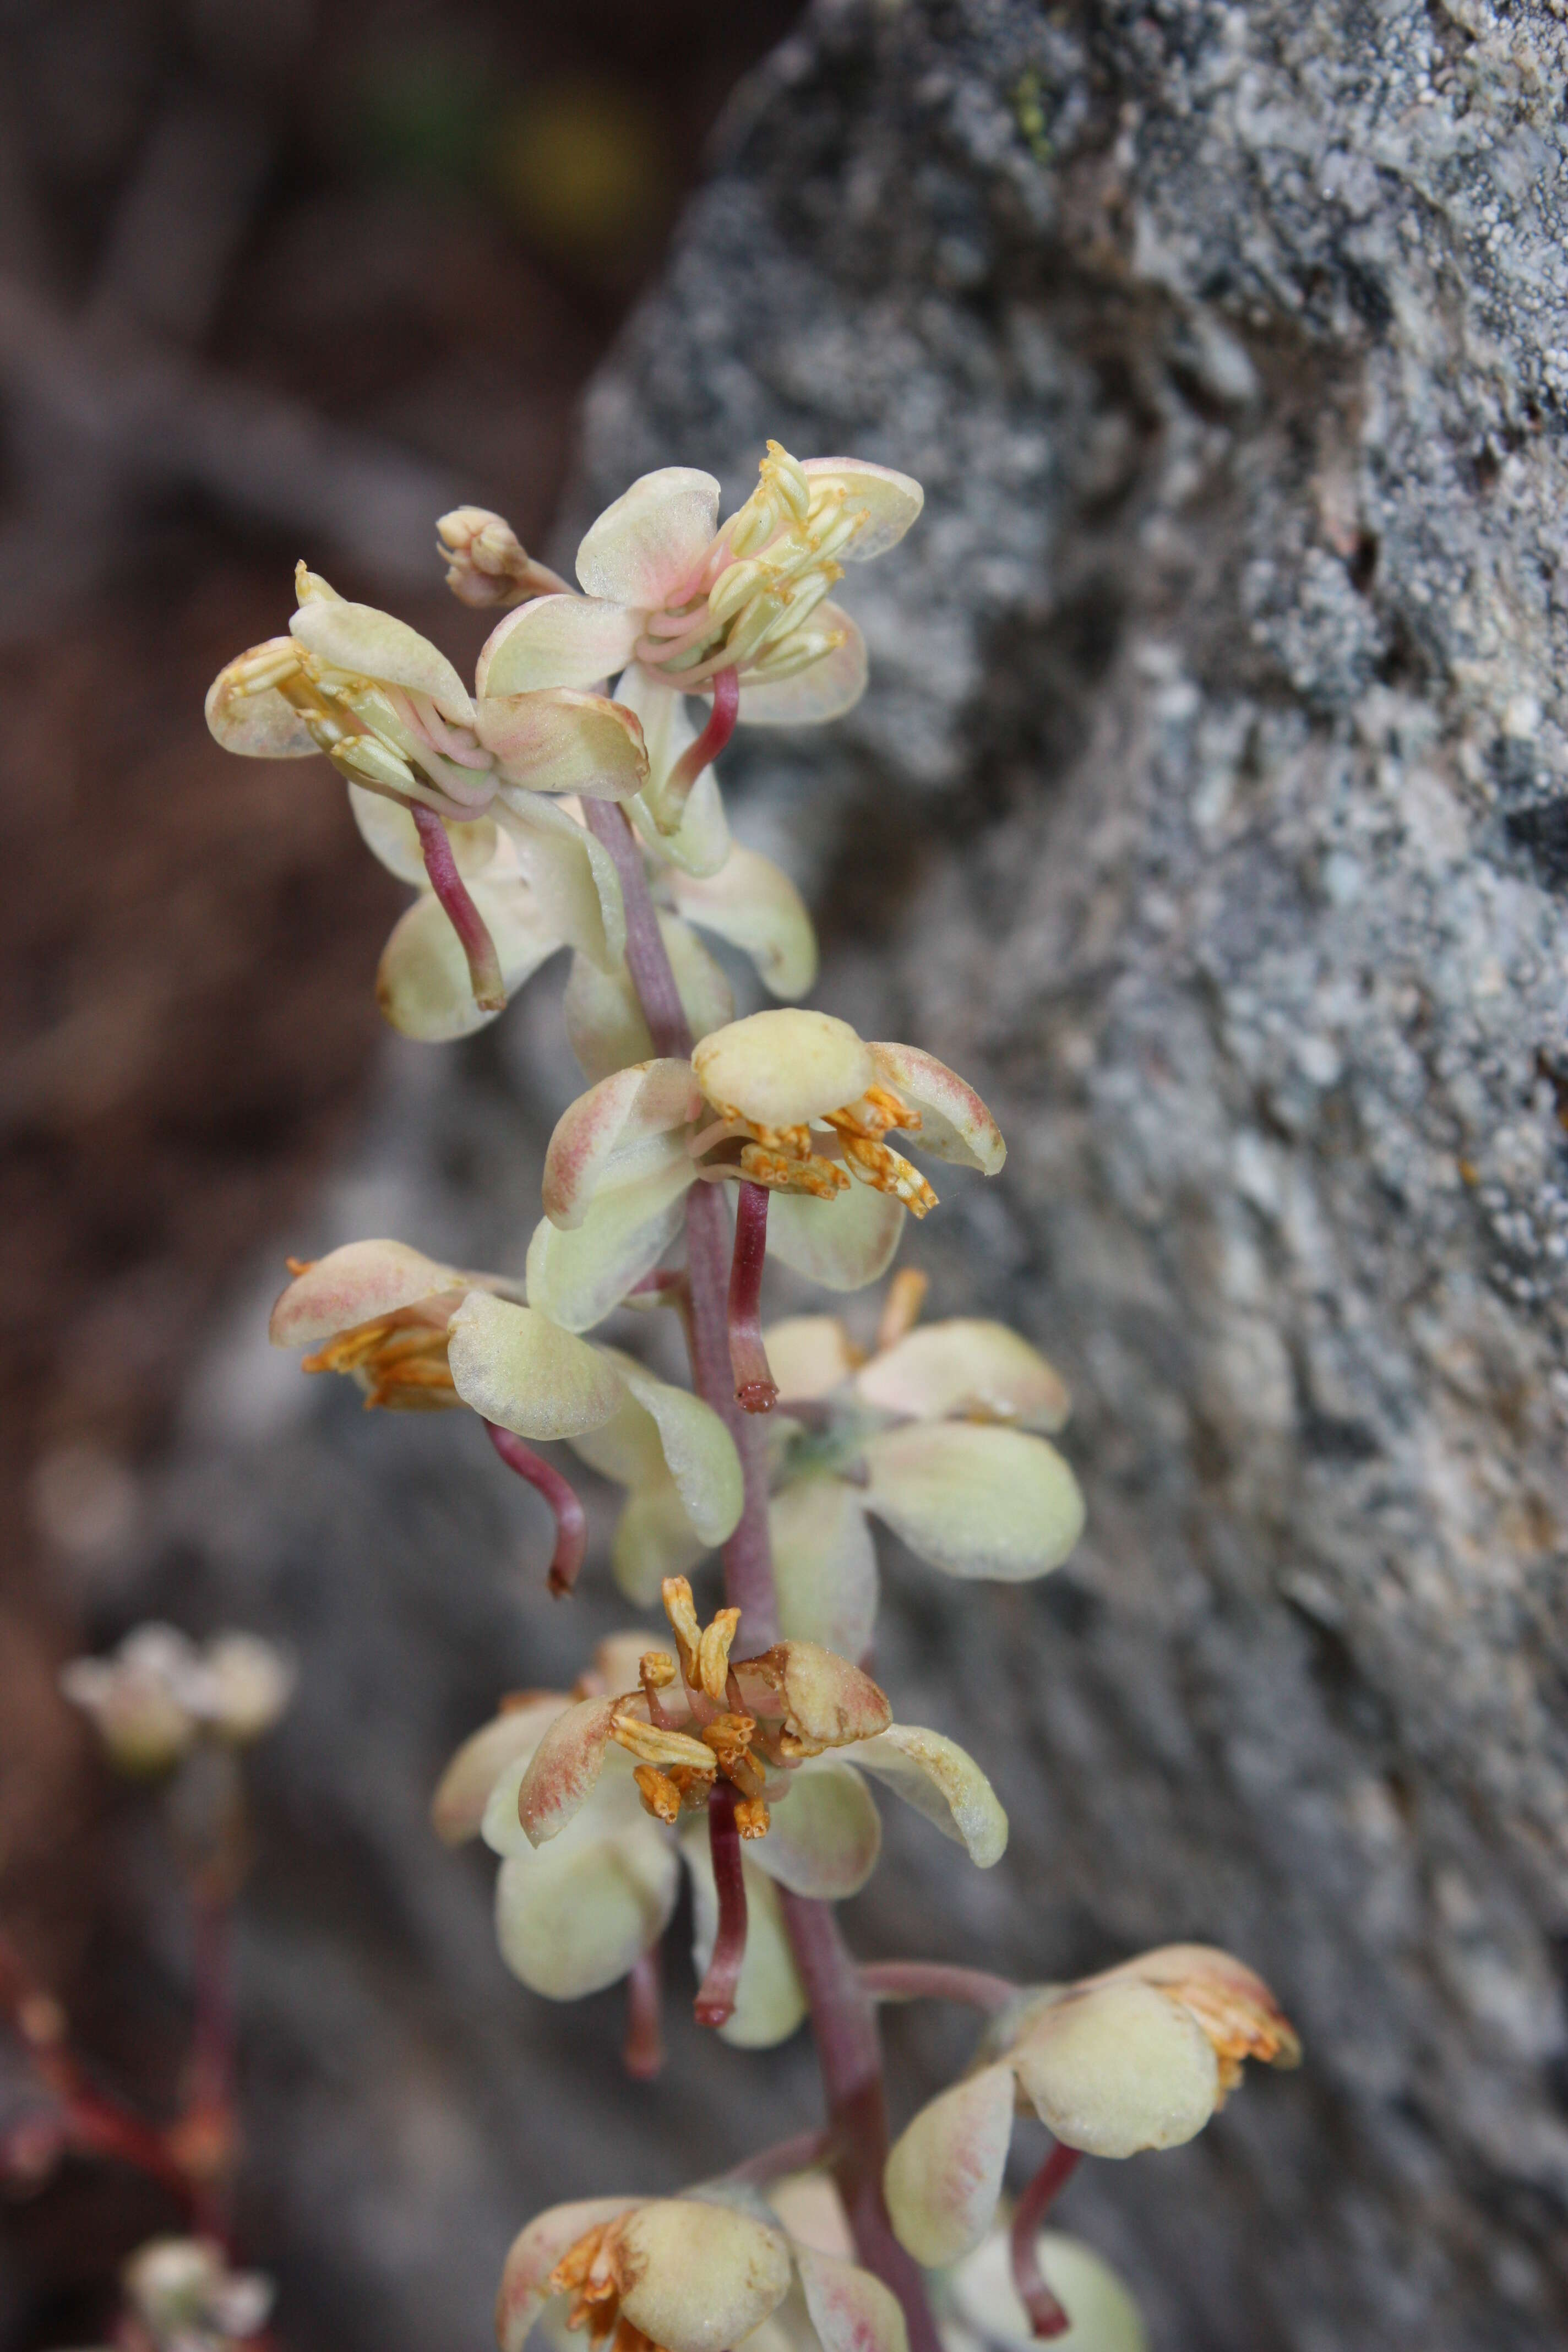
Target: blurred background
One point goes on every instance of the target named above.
(277, 278)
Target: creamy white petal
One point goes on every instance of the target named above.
(557, 641)
(705, 2273)
(604, 1013)
(579, 1277)
(515, 1366)
(888, 500)
(258, 726)
(557, 739)
(822, 1700)
(966, 1369)
(942, 1781)
(651, 540)
(699, 1450)
(358, 1283)
(943, 2177)
(653, 1538)
(463, 1791)
(573, 875)
(825, 1563)
(387, 830)
(955, 1123)
(825, 1832)
(770, 2000)
(701, 842)
(780, 1068)
(851, 2310)
(367, 643)
(578, 1915)
(603, 1140)
(824, 690)
(533, 2254)
(842, 1243)
(1118, 2070)
(810, 1355)
(974, 1500)
(1102, 2316)
(753, 903)
(423, 984)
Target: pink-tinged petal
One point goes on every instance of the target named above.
(706, 2274)
(824, 690)
(573, 875)
(751, 902)
(359, 1284)
(851, 2310)
(966, 1369)
(652, 539)
(365, 643)
(888, 500)
(977, 1501)
(942, 1781)
(388, 831)
(458, 1805)
(557, 641)
(533, 2254)
(781, 1068)
(824, 1834)
(558, 741)
(424, 986)
(842, 1243)
(811, 1355)
(578, 1915)
(821, 1699)
(943, 2179)
(955, 1123)
(605, 1019)
(260, 725)
(513, 1365)
(566, 1768)
(770, 2000)
(579, 1276)
(824, 1562)
(600, 1139)
(1118, 2070)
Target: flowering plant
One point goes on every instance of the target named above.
(570, 801)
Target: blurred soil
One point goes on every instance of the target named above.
(250, 251)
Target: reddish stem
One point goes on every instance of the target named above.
(757, 1391)
(797, 2154)
(715, 2002)
(850, 2053)
(1046, 2314)
(647, 960)
(748, 1554)
(643, 2055)
(935, 1980)
(677, 788)
(571, 1521)
(473, 932)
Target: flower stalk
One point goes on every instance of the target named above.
(642, 2054)
(571, 1520)
(1047, 2316)
(757, 1391)
(473, 932)
(715, 2003)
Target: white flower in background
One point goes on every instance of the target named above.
(1138, 2057)
(690, 2273)
(160, 1691)
(978, 2307)
(187, 2299)
(791, 1100)
(413, 1333)
(938, 1435)
(680, 599)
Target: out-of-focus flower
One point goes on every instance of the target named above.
(791, 1100)
(417, 1334)
(160, 1693)
(689, 2273)
(187, 2299)
(978, 2307)
(938, 1435)
(684, 597)
(1138, 2057)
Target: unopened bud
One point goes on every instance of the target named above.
(486, 563)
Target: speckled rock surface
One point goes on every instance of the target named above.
(1209, 809)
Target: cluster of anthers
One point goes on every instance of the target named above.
(569, 801)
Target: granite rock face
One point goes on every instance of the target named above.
(1210, 810)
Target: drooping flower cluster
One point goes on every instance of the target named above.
(570, 801)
